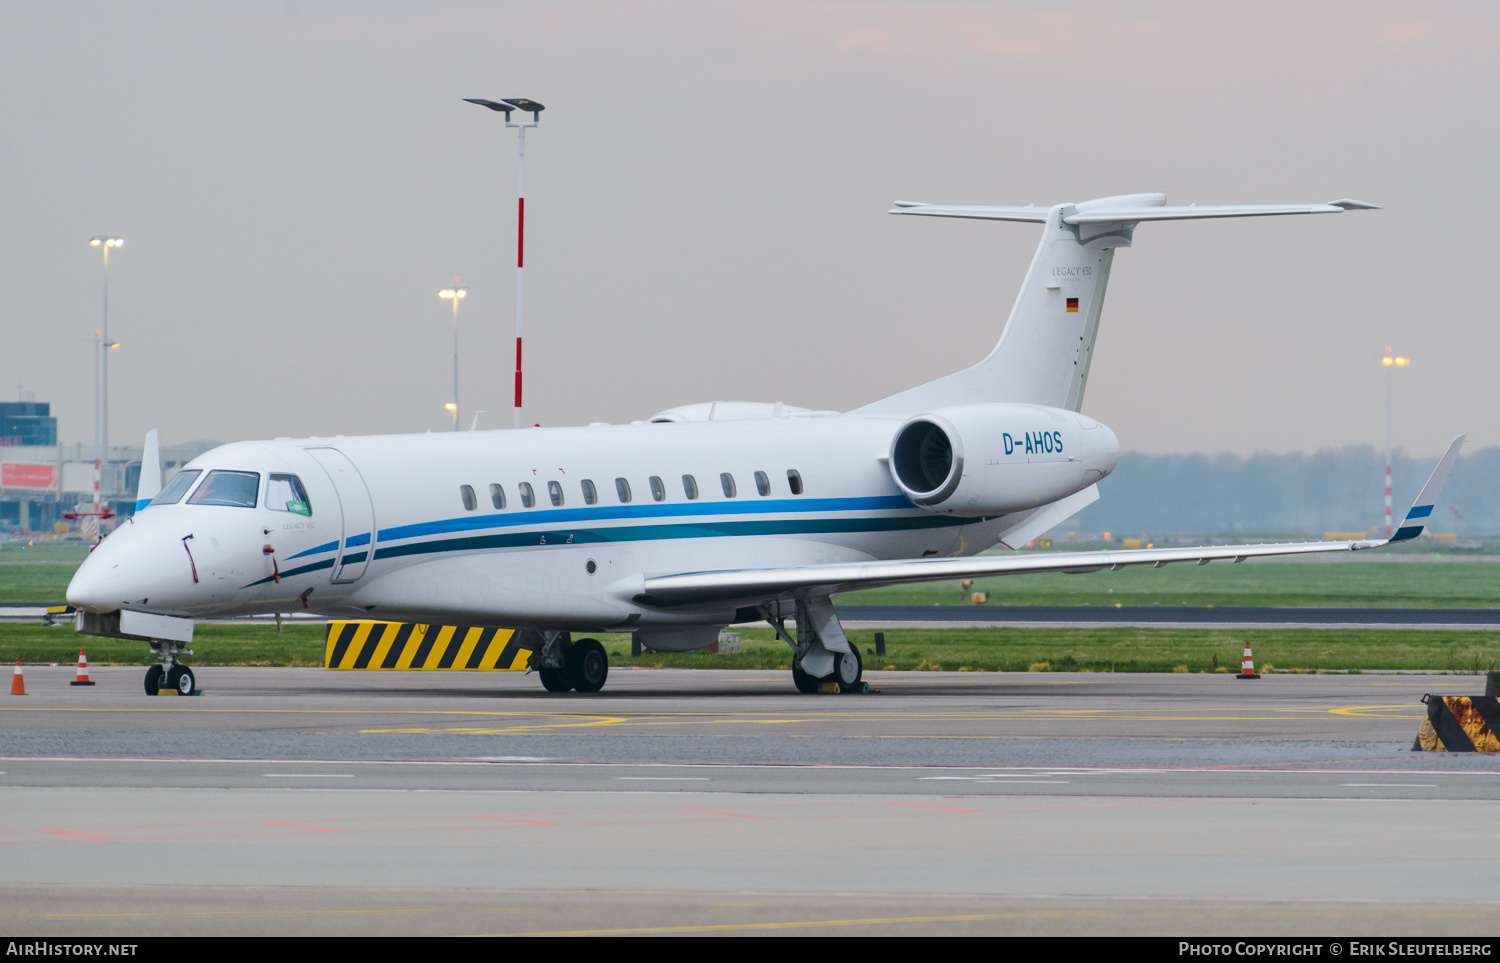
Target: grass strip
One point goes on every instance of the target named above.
(1003, 649)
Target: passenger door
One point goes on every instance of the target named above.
(357, 539)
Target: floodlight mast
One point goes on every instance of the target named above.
(104, 243)
(535, 110)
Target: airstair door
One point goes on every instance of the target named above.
(357, 540)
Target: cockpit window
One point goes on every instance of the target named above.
(286, 494)
(238, 489)
(176, 488)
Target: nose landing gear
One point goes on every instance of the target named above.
(171, 675)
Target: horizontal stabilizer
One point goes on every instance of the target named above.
(1103, 211)
(1031, 213)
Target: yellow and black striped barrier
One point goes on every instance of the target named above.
(413, 645)
(1459, 724)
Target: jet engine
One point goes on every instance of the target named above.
(992, 459)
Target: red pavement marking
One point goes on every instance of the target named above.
(68, 832)
(526, 822)
(715, 812)
(314, 829)
(946, 809)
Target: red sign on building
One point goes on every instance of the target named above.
(18, 475)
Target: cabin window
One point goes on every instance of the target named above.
(622, 488)
(554, 492)
(762, 483)
(285, 493)
(236, 489)
(176, 488)
(528, 499)
(466, 492)
(590, 496)
(497, 496)
(727, 480)
(690, 487)
(658, 490)
(794, 478)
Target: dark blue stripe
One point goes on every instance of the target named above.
(639, 533)
(1419, 511)
(469, 523)
(299, 570)
(600, 513)
(325, 547)
(1405, 532)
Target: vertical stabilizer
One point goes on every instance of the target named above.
(150, 482)
(1047, 345)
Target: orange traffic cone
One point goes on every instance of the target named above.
(18, 681)
(1247, 668)
(83, 670)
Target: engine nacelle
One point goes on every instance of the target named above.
(991, 459)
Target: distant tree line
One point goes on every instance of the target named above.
(1341, 490)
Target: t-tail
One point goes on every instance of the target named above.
(1047, 344)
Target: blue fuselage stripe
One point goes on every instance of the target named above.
(598, 513)
(639, 533)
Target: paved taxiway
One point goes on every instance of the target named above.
(298, 800)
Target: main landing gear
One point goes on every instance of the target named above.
(564, 664)
(171, 675)
(825, 661)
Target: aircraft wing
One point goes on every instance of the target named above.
(759, 584)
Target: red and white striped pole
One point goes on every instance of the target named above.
(535, 109)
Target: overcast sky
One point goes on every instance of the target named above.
(706, 209)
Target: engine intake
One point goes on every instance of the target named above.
(992, 459)
(927, 459)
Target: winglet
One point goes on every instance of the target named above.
(1415, 519)
(150, 482)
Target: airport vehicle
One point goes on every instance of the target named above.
(705, 515)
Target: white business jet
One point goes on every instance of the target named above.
(706, 515)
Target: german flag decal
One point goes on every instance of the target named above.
(1072, 305)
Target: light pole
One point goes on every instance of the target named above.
(1391, 362)
(535, 110)
(101, 440)
(454, 294)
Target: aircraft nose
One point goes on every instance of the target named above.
(125, 570)
(97, 586)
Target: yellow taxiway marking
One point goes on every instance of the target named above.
(553, 719)
(1381, 712)
(730, 927)
(213, 914)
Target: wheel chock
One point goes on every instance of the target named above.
(828, 688)
(1459, 724)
